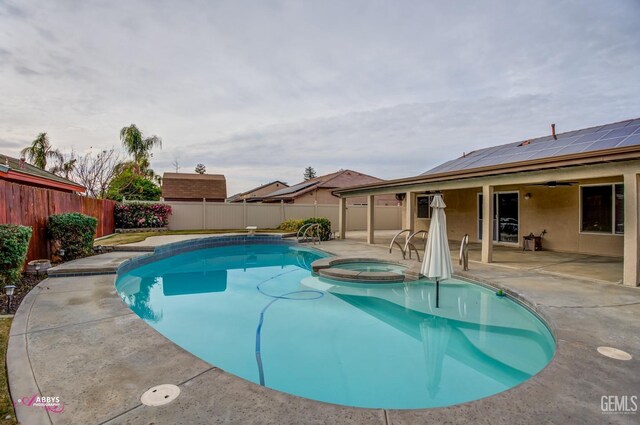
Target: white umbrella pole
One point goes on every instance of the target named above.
(437, 293)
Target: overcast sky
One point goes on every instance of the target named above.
(258, 90)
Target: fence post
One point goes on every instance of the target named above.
(282, 210)
(204, 213)
(244, 213)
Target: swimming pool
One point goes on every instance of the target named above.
(257, 311)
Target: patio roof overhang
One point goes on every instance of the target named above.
(613, 162)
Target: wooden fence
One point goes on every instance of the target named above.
(31, 206)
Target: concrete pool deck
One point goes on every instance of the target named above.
(74, 338)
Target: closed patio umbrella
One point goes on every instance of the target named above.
(437, 258)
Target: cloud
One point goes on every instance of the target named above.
(260, 91)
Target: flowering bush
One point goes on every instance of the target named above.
(134, 216)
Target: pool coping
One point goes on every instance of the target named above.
(22, 379)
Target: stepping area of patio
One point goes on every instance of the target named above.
(80, 324)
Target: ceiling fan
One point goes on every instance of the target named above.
(554, 183)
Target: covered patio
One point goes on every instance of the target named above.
(585, 211)
(597, 268)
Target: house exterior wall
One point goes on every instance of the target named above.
(556, 210)
(263, 191)
(324, 196)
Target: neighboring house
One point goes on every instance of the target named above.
(19, 171)
(256, 194)
(194, 187)
(318, 190)
(580, 188)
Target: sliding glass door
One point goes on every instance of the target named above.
(505, 217)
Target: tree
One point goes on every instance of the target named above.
(175, 164)
(95, 172)
(131, 185)
(138, 146)
(201, 169)
(40, 151)
(63, 167)
(309, 173)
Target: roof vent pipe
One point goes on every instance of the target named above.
(553, 132)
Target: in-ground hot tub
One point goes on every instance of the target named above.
(363, 270)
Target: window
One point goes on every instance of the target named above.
(602, 208)
(424, 206)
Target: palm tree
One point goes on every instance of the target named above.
(64, 168)
(138, 146)
(40, 151)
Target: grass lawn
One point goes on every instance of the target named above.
(7, 415)
(125, 238)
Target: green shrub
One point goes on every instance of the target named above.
(291, 225)
(14, 242)
(134, 187)
(73, 232)
(325, 226)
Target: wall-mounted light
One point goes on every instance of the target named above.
(527, 196)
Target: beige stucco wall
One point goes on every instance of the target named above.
(556, 210)
(324, 196)
(264, 191)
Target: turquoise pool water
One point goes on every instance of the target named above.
(370, 266)
(257, 312)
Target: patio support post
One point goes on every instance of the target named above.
(342, 218)
(370, 219)
(631, 274)
(410, 211)
(487, 224)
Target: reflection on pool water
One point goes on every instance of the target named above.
(257, 311)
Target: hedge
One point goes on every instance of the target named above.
(295, 225)
(14, 243)
(73, 232)
(134, 216)
(325, 226)
(291, 225)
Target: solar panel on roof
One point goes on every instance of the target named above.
(635, 122)
(292, 189)
(574, 148)
(615, 125)
(591, 137)
(545, 153)
(632, 140)
(606, 144)
(625, 131)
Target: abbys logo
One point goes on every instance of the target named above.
(624, 404)
(50, 404)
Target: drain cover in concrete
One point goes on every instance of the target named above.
(160, 394)
(614, 353)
